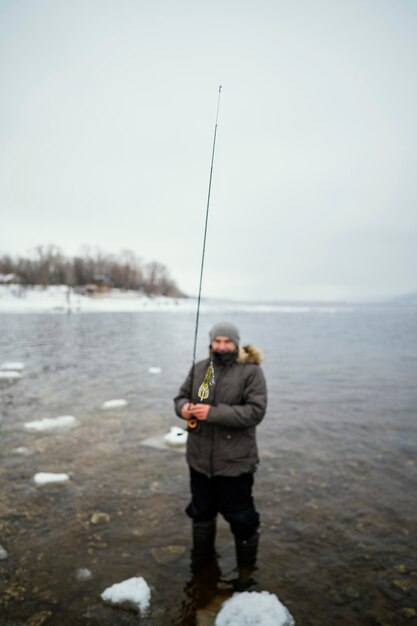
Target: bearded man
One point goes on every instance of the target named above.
(222, 451)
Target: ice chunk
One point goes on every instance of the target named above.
(254, 609)
(3, 553)
(15, 366)
(82, 574)
(133, 592)
(113, 404)
(45, 478)
(22, 450)
(52, 423)
(154, 370)
(158, 442)
(176, 437)
(9, 375)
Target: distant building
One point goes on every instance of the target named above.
(10, 279)
(100, 284)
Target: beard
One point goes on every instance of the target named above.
(223, 358)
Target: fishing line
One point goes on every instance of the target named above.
(203, 391)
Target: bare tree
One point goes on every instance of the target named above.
(47, 265)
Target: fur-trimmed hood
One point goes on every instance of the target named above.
(225, 444)
(250, 354)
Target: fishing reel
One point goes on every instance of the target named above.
(192, 424)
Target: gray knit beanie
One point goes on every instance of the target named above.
(225, 329)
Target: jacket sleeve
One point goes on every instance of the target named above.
(184, 395)
(250, 412)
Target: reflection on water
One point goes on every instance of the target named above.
(335, 487)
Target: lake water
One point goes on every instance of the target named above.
(335, 488)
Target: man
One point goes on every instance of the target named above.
(222, 451)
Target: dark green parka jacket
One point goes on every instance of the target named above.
(225, 443)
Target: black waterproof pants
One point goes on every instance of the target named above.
(230, 496)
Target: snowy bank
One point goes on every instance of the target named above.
(56, 299)
(16, 299)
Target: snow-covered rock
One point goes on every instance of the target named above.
(45, 478)
(133, 593)
(114, 404)
(154, 370)
(52, 423)
(254, 609)
(176, 437)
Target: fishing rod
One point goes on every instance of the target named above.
(209, 379)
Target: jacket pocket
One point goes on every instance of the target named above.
(235, 445)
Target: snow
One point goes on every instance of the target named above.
(254, 609)
(113, 404)
(133, 592)
(36, 299)
(54, 299)
(16, 366)
(154, 370)
(82, 574)
(52, 423)
(9, 375)
(176, 437)
(45, 478)
(158, 442)
(22, 450)
(3, 553)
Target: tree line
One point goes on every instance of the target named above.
(47, 265)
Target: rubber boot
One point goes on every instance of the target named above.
(246, 553)
(204, 534)
(202, 586)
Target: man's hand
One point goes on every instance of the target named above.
(200, 411)
(186, 411)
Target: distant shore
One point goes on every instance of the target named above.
(61, 299)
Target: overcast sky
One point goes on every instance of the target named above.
(107, 115)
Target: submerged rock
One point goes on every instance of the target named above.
(39, 618)
(167, 554)
(99, 517)
(401, 584)
(352, 592)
